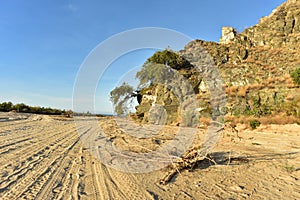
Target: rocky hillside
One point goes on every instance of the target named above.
(254, 65)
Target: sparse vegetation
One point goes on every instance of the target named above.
(254, 123)
(296, 76)
(289, 168)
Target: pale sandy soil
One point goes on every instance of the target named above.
(43, 158)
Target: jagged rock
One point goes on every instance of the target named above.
(254, 65)
(280, 28)
(228, 34)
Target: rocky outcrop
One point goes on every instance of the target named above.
(158, 106)
(254, 66)
(280, 28)
(228, 35)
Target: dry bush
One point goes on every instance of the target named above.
(232, 90)
(229, 118)
(271, 80)
(271, 86)
(289, 80)
(243, 91)
(256, 86)
(205, 121)
(291, 85)
(281, 79)
(244, 119)
(290, 97)
(281, 119)
(232, 120)
(250, 60)
(260, 73)
(269, 67)
(286, 76)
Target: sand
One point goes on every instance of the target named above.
(45, 158)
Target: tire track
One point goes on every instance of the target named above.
(34, 169)
(88, 186)
(69, 190)
(36, 145)
(110, 183)
(50, 182)
(55, 179)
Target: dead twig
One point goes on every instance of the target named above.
(191, 158)
(187, 161)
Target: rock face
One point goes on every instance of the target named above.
(280, 29)
(254, 65)
(228, 34)
(160, 108)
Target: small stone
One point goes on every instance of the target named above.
(237, 188)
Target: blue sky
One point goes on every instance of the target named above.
(44, 42)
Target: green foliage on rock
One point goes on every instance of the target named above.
(160, 67)
(296, 76)
(169, 57)
(153, 73)
(258, 108)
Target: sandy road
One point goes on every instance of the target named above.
(43, 158)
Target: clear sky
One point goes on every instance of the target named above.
(44, 42)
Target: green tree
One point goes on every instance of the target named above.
(160, 67)
(6, 106)
(169, 57)
(120, 96)
(21, 107)
(153, 73)
(68, 113)
(296, 76)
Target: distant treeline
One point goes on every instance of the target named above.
(21, 107)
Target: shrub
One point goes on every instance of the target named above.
(160, 67)
(170, 57)
(242, 91)
(254, 123)
(296, 76)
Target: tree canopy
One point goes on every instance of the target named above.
(160, 67)
(153, 73)
(170, 58)
(120, 97)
